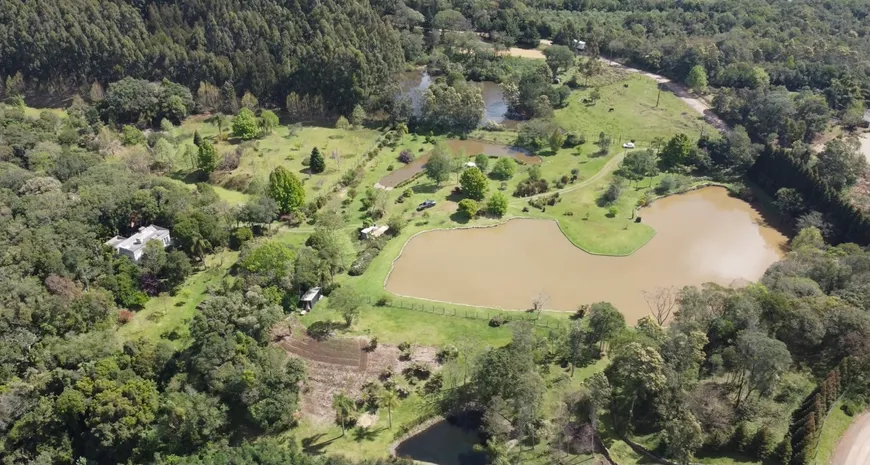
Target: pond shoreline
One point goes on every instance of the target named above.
(704, 257)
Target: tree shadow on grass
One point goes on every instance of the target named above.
(429, 188)
(364, 434)
(311, 446)
(460, 218)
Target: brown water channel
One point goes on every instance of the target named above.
(703, 236)
(469, 148)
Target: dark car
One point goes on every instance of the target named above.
(425, 205)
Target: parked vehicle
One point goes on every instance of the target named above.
(425, 205)
(628, 145)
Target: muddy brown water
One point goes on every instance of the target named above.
(469, 148)
(702, 236)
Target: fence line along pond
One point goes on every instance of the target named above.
(702, 236)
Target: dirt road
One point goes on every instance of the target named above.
(697, 104)
(854, 446)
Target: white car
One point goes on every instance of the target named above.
(628, 145)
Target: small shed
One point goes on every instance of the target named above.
(580, 45)
(310, 299)
(373, 231)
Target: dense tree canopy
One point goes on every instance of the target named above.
(339, 51)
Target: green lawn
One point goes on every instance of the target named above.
(634, 115)
(342, 150)
(835, 426)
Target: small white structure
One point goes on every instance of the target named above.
(134, 246)
(579, 45)
(471, 164)
(310, 298)
(373, 231)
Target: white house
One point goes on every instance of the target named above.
(134, 246)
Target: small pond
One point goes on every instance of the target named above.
(415, 82)
(470, 148)
(702, 236)
(443, 443)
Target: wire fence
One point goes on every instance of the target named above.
(484, 314)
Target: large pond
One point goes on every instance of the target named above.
(415, 82)
(467, 147)
(702, 236)
(443, 444)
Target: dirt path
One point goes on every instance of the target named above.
(854, 447)
(697, 104)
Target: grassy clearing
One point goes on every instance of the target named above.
(342, 150)
(167, 315)
(835, 426)
(359, 443)
(627, 111)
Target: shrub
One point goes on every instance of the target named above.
(741, 438)
(419, 370)
(482, 161)
(362, 262)
(468, 207)
(497, 321)
(530, 186)
(668, 184)
(407, 193)
(435, 383)
(384, 301)
(131, 135)
(396, 224)
(403, 346)
(474, 183)
(447, 353)
(125, 316)
(504, 168)
(850, 408)
(406, 156)
(612, 194)
(373, 343)
(763, 444)
(316, 161)
(240, 236)
(612, 211)
(497, 205)
(574, 139)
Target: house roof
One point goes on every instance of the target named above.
(137, 241)
(310, 293)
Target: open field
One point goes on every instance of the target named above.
(341, 149)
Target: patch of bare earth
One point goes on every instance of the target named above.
(341, 364)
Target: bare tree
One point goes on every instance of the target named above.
(661, 302)
(541, 300)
